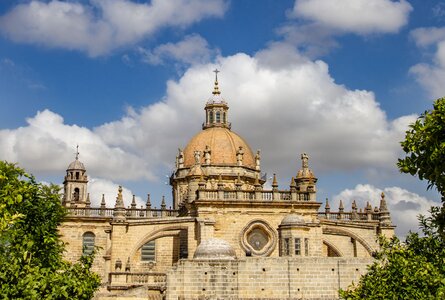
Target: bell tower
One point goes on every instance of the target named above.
(75, 184)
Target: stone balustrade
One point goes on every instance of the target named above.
(243, 195)
(123, 280)
(130, 213)
(350, 216)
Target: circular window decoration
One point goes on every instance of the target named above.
(258, 238)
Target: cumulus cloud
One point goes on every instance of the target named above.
(99, 26)
(46, 145)
(192, 49)
(99, 186)
(355, 16)
(280, 102)
(403, 205)
(431, 74)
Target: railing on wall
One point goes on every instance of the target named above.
(122, 279)
(130, 213)
(243, 195)
(350, 216)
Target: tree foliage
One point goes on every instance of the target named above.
(414, 269)
(31, 263)
(424, 146)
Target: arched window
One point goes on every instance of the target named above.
(218, 117)
(76, 195)
(148, 251)
(224, 117)
(211, 117)
(88, 242)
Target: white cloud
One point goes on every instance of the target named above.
(98, 187)
(282, 108)
(403, 205)
(356, 16)
(193, 49)
(280, 102)
(99, 26)
(427, 36)
(431, 75)
(46, 145)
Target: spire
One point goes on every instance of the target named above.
(163, 205)
(216, 88)
(327, 207)
(103, 203)
(77, 152)
(119, 208)
(274, 182)
(341, 208)
(383, 206)
(148, 203)
(133, 202)
(88, 202)
(385, 217)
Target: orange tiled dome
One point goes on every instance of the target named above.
(223, 143)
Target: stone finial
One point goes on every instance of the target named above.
(207, 155)
(274, 182)
(163, 205)
(216, 88)
(133, 202)
(258, 160)
(88, 202)
(119, 198)
(384, 215)
(148, 203)
(292, 182)
(103, 204)
(354, 206)
(304, 161)
(341, 208)
(327, 207)
(119, 208)
(180, 158)
(383, 206)
(239, 156)
(368, 207)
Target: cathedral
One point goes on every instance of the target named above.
(226, 236)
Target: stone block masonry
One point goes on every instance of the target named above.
(264, 278)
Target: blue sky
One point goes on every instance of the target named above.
(127, 80)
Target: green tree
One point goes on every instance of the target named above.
(31, 263)
(424, 146)
(414, 269)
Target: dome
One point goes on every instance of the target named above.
(293, 219)
(223, 144)
(215, 249)
(76, 165)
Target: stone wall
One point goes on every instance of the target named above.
(261, 278)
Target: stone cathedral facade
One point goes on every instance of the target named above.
(226, 237)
